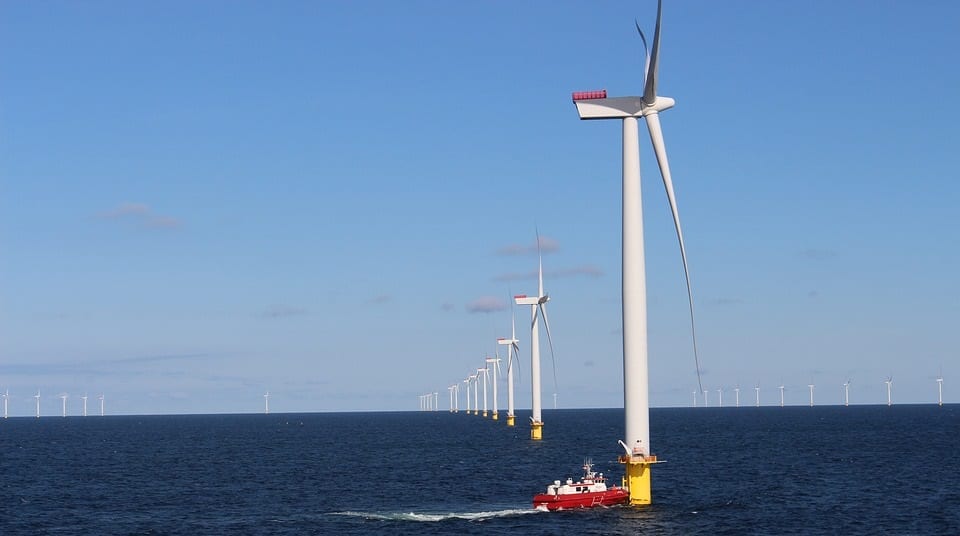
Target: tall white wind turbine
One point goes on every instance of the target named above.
(436, 401)
(512, 349)
(737, 391)
(6, 397)
(266, 403)
(494, 364)
(483, 372)
(596, 105)
(811, 394)
(706, 399)
(476, 389)
(781, 395)
(101, 404)
(63, 397)
(537, 309)
(456, 397)
(720, 392)
(37, 397)
(889, 382)
(467, 381)
(84, 398)
(450, 391)
(846, 393)
(757, 389)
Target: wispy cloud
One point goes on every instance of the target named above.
(587, 270)
(818, 254)
(547, 245)
(380, 298)
(282, 311)
(140, 215)
(486, 304)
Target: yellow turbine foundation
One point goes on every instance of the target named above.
(536, 431)
(495, 416)
(510, 420)
(484, 414)
(637, 478)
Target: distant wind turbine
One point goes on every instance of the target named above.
(737, 391)
(6, 396)
(694, 399)
(475, 378)
(485, 374)
(939, 391)
(266, 403)
(889, 382)
(101, 404)
(537, 309)
(706, 402)
(63, 397)
(467, 381)
(494, 364)
(846, 392)
(436, 402)
(596, 105)
(781, 395)
(757, 389)
(512, 349)
(450, 392)
(554, 400)
(37, 396)
(84, 398)
(720, 393)
(811, 394)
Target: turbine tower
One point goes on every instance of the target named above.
(84, 398)
(467, 381)
(266, 403)
(436, 401)
(537, 309)
(720, 392)
(450, 391)
(512, 347)
(889, 382)
(810, 385)
(496, 368)
(694, 399)
(781, 395)
(482, 372)
(757, 389)
(6, 397)
(939, 393)
(476, 388)
(596, 105)
(846, 393)
(101, 404)
(37, 396)
(63, 397)
(706, 401)
(737, 391)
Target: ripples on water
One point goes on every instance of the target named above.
(795, 470)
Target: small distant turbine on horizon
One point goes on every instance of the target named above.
(554, 400)
(810, 385)
(939, 390)
(720, 402)
(467, 381)
(37, 397)
(757, 389)
(495, 361)
(63, 397)
(476, 389)
(694, 398)
(781, 395)
(737, 391)
(6, 396)
(436, 401)
(512, 348)
(84, 398)
(889, 382)
(266, 403)
(706, 401)
(846, 392)
(101, 404)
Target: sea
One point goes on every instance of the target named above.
(747, 470)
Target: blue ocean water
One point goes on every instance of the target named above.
(769, 470)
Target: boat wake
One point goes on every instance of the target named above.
(424, 517)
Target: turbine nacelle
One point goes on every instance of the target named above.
(620, 107)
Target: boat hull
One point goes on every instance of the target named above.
(568, 501)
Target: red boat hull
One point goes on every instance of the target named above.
(567, 501)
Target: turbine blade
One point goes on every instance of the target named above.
(656, 137)
(650, 87)
(646, 51)
(516, 352)
(553, 360)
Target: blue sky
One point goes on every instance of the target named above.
(200, 202)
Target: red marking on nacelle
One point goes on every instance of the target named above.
(520, 296)
(501, 339)
(587, 95)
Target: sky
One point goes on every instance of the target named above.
(333, 201)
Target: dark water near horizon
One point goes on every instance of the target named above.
(768, 470)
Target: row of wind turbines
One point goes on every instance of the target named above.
(63, 397)
(845, 393)
(491, 366)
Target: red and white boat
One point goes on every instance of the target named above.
(590, 491)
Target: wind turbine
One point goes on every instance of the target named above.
(450, 393)
(512, 347)
(537, 309)
(476, 389)
(6, 396)
(63, 397)
(781, 395)
(101, 404)
(737, 391)
(84, 398)
(694, 399)
(596, 105)
(467, 381)
(496, 368)
(810, 385)
(483, 372)
(939, 392)
(37, 396)
(436, 402)
(266, 403)
(720, 392)
(456, 397)
(846, 392)
(554, 400)
(889, 382)
(757, 389)
(706, 402)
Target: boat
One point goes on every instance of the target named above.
(588, 492)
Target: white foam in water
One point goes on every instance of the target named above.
(428, 517)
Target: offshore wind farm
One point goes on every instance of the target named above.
(348, 217)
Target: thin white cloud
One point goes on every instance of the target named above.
(140, 215)
(547, 245)
(486, 304)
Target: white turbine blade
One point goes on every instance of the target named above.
(516, 352)
(553, 360)
(656, 137)
(646, 51)
(650, 87)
